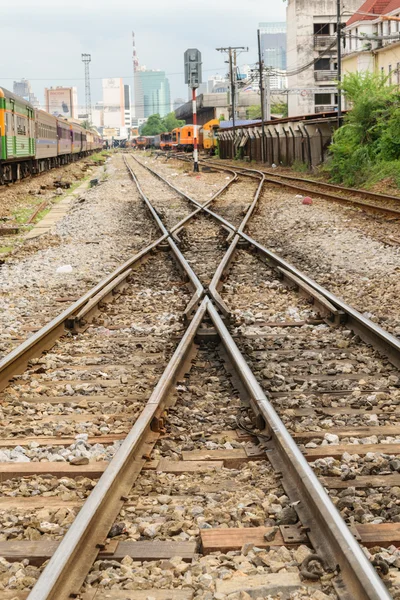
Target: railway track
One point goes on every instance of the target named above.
(384, 204)
(189, 474)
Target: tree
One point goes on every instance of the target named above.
(153, 126)
(171, 122)
(279, 108)
(254, 111)
(156, 125)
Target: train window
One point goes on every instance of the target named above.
(189, 133)
(21, 126)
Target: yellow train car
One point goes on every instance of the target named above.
(210, 136)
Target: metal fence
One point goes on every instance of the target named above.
(284, 143)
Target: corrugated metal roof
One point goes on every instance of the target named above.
(238, 123)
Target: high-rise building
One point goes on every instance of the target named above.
(127, 106)
(113, 102)
(273, 45)
(312, 54)
(152, 93)
(23, 88)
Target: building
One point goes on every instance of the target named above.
(23, 88)
(178, 102)
(152, 93)
(113, 102)
(98, 115)
(312, 54)
(216, 84)
(127, 106)
(372, 43)
(273, 45)
(62, 101)
(217, 106)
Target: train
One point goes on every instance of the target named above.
(33, 141)
(182, 138)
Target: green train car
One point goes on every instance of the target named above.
(17, 135)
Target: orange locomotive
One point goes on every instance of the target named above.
(186, 137)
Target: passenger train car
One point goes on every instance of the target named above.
(32, 141)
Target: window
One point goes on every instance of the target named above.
(189, 134)
(21, 126)
(383, 71)
(390, 74)
(321, 29)
(322, 64)
(398, 73)
(322, 99)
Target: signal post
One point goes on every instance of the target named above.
(193, 79)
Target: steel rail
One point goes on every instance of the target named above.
(369, 331)
(180, 259)
(59, 578)
(318, 512)
(17, 360)
(67, 569)
(189, 198)
(273, 178)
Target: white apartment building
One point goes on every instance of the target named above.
(113, 102)
(373, 43)
(311, 40)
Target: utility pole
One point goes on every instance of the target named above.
(232, 77)
(86, 58)
(339, 59)
(261, 73)
(268, 96)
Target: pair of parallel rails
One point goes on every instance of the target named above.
(330, 537)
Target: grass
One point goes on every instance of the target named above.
(5, 249)
(299, 166)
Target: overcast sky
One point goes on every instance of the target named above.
(45, 38)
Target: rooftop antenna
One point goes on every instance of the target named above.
(86, 58)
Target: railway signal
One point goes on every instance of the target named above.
(193, 79)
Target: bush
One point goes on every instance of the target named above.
(370, 135)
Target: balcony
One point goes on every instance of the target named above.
(322, 42)
(325, 108)
(325, 75)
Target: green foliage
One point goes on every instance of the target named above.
(299, 166)
(170, 121)
(153, 126)
(156, 125)
(277, 108)
(370, 135)
(254, 112)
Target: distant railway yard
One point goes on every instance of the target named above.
(199, 385)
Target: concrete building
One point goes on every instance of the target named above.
(273, 44)
(113, 102)
(371, 43)
(216, 84)
(177, 103)
(312, 54)
(152, 93)
(98, 115)
(23, 88)
(127, 106)
(216, 106)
